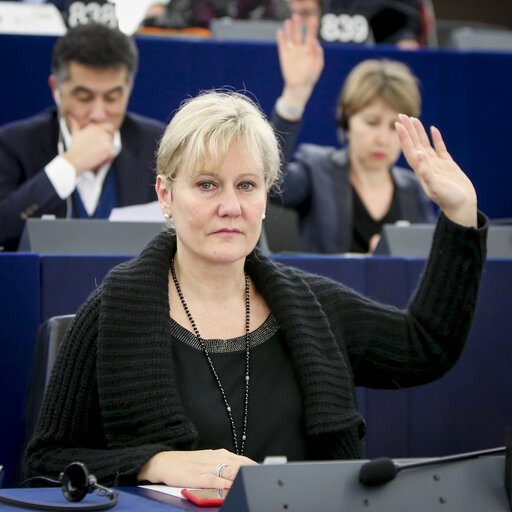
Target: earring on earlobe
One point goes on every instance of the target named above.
(166, 216)
(263, 217)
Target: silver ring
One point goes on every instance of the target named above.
(220, 469)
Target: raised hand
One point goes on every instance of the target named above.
(442, 179)
(91, 146)
(301, 59)
(196, 468)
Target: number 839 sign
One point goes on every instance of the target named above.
(344, 28)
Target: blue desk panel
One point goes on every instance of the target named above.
(351, 273)
(471, 406)
(468, 409)
(19, 314)
(67, 280)
(387, 280)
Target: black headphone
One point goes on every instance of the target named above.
(76, 483)
(341, 118)
(341, 125)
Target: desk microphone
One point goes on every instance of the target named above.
(383, 470)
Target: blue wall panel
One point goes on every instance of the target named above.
(19, 314)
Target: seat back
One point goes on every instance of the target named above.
(470, 38)
(49, 337)
(224, 29)
(282, 228)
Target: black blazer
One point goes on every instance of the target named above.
(27, 146)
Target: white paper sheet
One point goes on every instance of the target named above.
(148, 212)
(173, 491)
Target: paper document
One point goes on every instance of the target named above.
(148, 212)
(173, 491)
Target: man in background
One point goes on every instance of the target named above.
(89, 154)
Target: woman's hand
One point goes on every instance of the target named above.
(195, 469)
(301, 59)
(443, 180)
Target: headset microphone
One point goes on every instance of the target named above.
(383, 470)
(76, 483)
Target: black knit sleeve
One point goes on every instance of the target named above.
(70, 424)
(388, 347)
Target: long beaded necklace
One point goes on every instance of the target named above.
(238, 450)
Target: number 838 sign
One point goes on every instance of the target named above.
(79, 13)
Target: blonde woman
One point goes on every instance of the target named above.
(202, 355)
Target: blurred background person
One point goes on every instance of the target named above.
(344, 196)
(88, 155)
(306, 10)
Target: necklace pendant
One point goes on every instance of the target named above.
(243, 437)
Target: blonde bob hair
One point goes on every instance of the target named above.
(204, 129)
(389, 80)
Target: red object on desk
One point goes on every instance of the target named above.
(205, 497)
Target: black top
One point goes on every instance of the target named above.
(275, 426)
(365, 226)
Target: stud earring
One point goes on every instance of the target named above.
(263, 217)
(166, 216)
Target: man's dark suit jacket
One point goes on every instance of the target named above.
(27, 146)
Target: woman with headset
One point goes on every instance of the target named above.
(344, 196)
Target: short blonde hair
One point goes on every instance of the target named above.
(390, 80)
(205, 128)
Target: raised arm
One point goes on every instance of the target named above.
(301, 58)
(442, 179)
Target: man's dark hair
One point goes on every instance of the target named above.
(94, 45)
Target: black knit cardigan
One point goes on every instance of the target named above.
(113, 402)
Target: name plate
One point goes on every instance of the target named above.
(21, 18)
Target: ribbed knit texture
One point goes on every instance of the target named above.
(112, 401)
